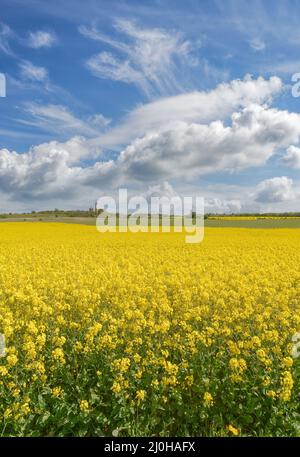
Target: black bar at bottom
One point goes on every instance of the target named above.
(150, 446)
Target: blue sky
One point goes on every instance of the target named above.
(149, 95)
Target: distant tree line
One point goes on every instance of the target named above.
(93, 211)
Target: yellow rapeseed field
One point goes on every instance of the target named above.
(143, 334)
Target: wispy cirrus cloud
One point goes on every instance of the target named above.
(148, 58)
(36, 40)
(60, 120)
(33, 72)
(257, 44)
(6, 34)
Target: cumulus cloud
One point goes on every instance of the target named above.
(254, 135)
(186, 150)
(292, 157)
(221, 206)
(160, 190)
(227, 129)
(197, 106)
(275, 190)
(48, 170)
(41, 39)
(145, 57)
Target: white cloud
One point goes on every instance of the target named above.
(193, 149)
(235, 131)
(197, 106)
(107, 66)
(47, 170)
(150, 57)
(292, 157)
(35, 40)
(275, 190)
(257, 44)
(59, 119)
(99, 120)
(221, 206)
(187, 150)
(160, 190)
(41, 39)
(32, 72)
(5, 34)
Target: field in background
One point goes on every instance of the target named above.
(66, 220)
(143, 334)
(246, 222)
(254, 223)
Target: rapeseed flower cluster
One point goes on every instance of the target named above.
(147, 335)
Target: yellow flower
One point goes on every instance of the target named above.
(288, 362)
(116, 387)
(208, 399)
(8, 413)
(57, 392)
(12, 360)
(84, 405)
(287, 383)
(3, 371)
(138, 374)
(189, 380)
(25, 409)
(122, 365)
(16, 393)
(148, 318)
(271, 394)
(58, 354)
(238, 365)
(140, 395)
(137, 358)
(233, 430)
